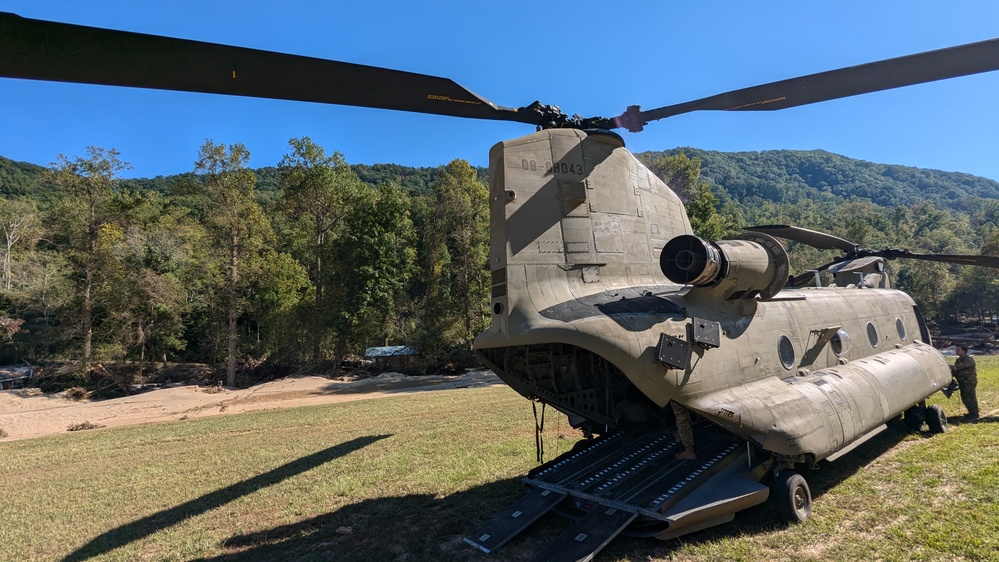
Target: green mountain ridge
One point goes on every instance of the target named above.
(780, 176)
(788, 176)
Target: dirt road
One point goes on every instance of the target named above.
(25, 414)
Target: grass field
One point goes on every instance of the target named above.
(405, 478)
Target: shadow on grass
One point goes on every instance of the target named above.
(422, 527)
(412, 383)
(956, 421)
(417, 527)
(146, 526)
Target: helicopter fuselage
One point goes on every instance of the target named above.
(585, 320)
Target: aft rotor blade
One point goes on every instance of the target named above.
(803, 279)
(43, 50)
(960, 259)
(813, 238)
(930, 66)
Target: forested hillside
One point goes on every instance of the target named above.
(303, 264)
(16, 178)
(788, 176)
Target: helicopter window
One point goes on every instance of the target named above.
(786, 352)
(840, 343)
(900, 328)
(872, 334)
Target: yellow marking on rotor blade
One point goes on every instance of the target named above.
(761, 102)
(438, 97)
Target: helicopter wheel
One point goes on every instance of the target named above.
(936, 419)
(794, 499)
(914, 418)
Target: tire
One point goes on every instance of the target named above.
(936, 420)
(914, 418)
(794, 499)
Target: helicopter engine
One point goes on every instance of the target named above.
(754, 265)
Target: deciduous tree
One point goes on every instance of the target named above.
(236, 223)
(455, 259)
(375, 257)
(89, 217)
(21, 225)
(319, 191)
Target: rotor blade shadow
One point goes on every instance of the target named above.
(146, 526)
(415, 526)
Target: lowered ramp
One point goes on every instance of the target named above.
(631, 482)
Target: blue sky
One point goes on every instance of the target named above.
(589, 57)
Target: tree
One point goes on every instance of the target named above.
(977, 290)
(89, 216)
(683, 176)
(705, 220)
(320, 191)
(455, 260)
(375, 257)
(236, 224)
(21, 225)
(10, 327)
(278, 286)
(44, 296)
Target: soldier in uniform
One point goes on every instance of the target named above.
(684, 432)
(967, 379)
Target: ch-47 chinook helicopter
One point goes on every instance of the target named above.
(604, 304)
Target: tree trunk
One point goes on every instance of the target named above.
(6, 265)
(230, 368)
(338, 355)
(142, 349)
(317, 352)
(88, 322)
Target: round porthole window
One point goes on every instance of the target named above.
(900, 328)
(872, 334)
(786, 352)
(840, 342)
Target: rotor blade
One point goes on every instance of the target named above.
(803, 279)
(813, 238)
(43, 50)
(960, 259)
(930, 66)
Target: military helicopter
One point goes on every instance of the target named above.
(604, 304)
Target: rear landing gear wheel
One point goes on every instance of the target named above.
(936, 420)
(794, 499)
(914, 418)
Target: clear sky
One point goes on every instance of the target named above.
(589, 57)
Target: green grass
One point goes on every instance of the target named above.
(405, 478)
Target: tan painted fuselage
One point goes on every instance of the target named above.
(584, 318)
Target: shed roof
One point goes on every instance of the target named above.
(390, 351)
(15, 372)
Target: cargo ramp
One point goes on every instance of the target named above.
(632, 483)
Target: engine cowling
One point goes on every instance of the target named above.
(752, 265)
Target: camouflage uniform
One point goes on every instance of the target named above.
(684, 430)
(967, 379)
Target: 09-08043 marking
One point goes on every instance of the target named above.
(558, 167)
